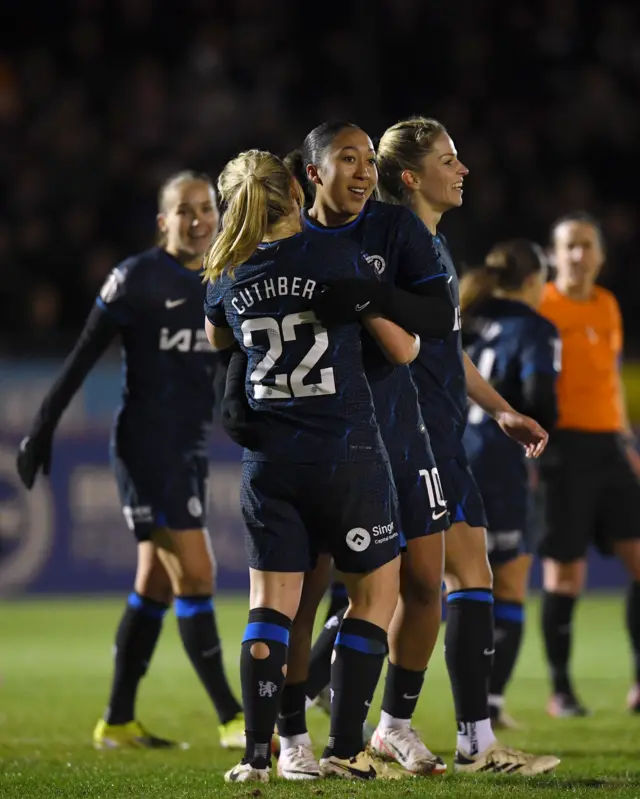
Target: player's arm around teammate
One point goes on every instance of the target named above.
(153, 300)
(590, 485)
(296, 493)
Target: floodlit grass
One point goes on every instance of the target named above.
(55, 666)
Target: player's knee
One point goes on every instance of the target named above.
(564, 578)
(151, 590)
(466, 558)
(472, 573)
(509, 590)
(260, 651)
(195, 577)
(420, 592)
(511, 579)
(376, 598)
(193, 584)
(153, 581)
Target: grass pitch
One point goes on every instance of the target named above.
(55, 666)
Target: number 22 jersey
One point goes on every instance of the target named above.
(306, 384)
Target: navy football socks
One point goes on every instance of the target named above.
(199, 633)
(136, 640)
(262, 671)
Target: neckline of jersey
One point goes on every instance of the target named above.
(266, 245)
(312, 223)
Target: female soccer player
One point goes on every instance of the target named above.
(317, 477)
(590, 475)
(338, 165)
(518, 351)
(154, 302)
(419, 167)
(470, 631)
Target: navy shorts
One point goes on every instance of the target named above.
(169, 494)
(295, 511)
(461, 492)
(508, 510)
(423, 507)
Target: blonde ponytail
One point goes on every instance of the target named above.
(256, 187)
(244, 226)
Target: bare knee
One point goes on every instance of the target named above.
(278, 591)
(421, 573)
(420, 592)
(511, 580)
(152, 580)
(466, 559)
(564, 578)
(374, 596)
(188, 559)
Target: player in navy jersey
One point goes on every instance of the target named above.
(419, 168)
(316, 476)
(337, 164)
(518, 351)
(153, 301)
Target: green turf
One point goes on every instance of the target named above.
(55, 663)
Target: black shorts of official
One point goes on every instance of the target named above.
(293, 512)
(507, 508)
(461, 492)
(423, 508)
(168, 493)
(590, 495)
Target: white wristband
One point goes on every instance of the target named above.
(416, 346)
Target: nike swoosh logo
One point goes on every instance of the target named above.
(289, 715)
(174, 303)
(412, 696)
(306, 773)
(489, 651)
(207, 653)
(363, 775)
(363, 306)
(435, 516)
(450, 279)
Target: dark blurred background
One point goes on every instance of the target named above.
(101, 99)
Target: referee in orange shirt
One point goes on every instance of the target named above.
(590, 471)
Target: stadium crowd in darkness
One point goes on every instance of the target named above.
(101, 99)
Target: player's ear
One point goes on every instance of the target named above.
(161, 221)
(410, 180)
(312, 174)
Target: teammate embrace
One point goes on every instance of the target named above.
(279, 404)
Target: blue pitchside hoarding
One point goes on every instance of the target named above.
(68, 535)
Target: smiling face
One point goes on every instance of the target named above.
(189, 219)
(441, 175)
(346, 176)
